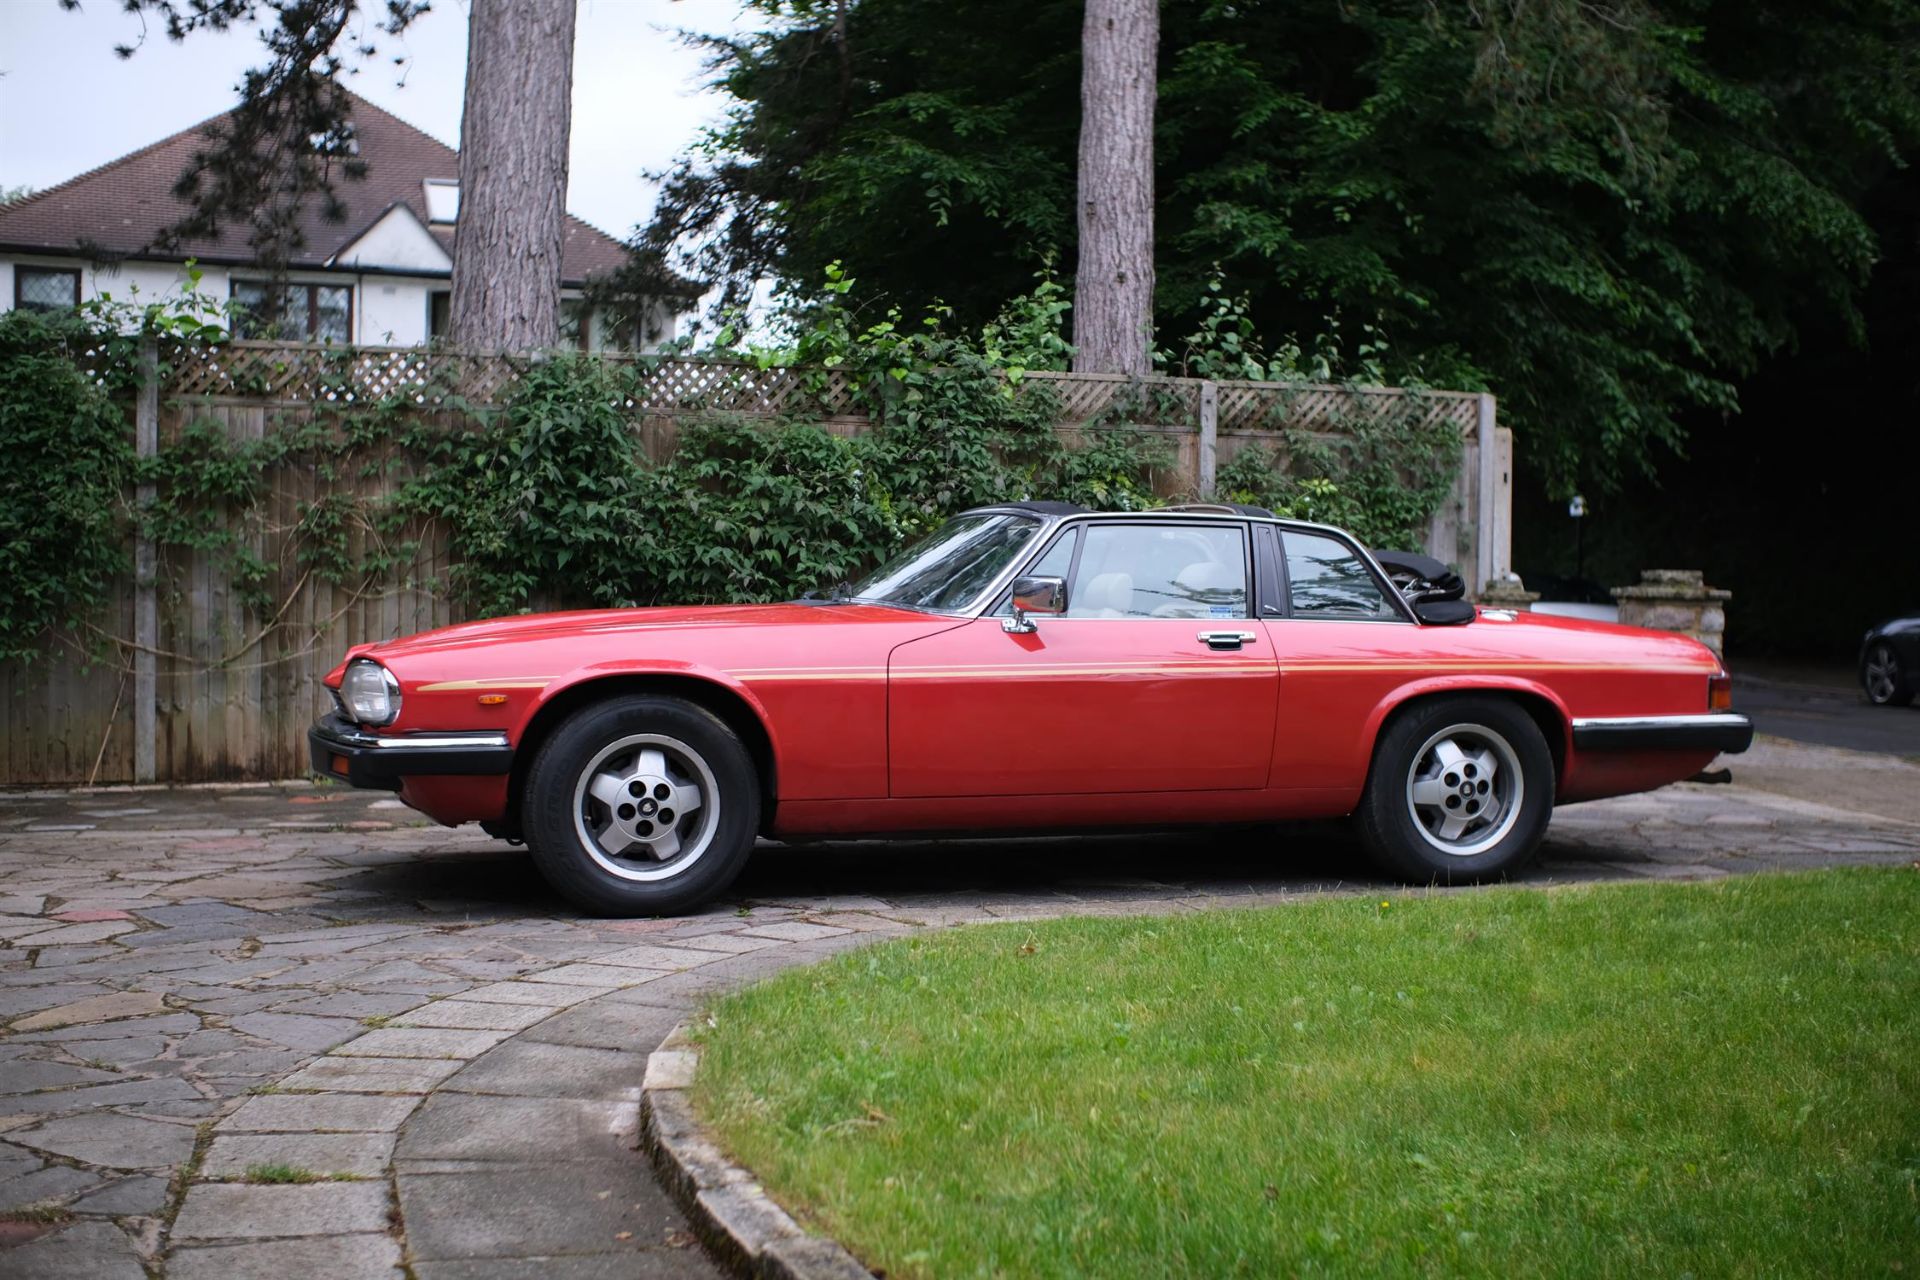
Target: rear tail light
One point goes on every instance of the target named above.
(1720, 692)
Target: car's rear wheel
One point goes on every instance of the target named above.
(1880, 675)
(641, 805)
(1460, 791)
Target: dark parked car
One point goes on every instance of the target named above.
(1890, 662)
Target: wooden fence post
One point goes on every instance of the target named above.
(1209, 436)
(146, 611)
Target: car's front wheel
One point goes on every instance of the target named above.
(1460, 791)
(1880, 675)
(641, 805)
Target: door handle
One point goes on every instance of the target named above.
(1224, 640)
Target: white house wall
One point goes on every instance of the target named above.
(397, 242)
(138, 283)
(391, 311)
(388, 310)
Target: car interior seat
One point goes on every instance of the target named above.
(1106, 595)
(1199, 587)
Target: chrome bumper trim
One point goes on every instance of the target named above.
(1715, 730)
(342, 749)
(357, 737)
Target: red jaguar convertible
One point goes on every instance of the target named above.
(1030, 666)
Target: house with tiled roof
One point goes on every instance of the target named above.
(377, 275)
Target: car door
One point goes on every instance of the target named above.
(1343, 645)
(1155, 679)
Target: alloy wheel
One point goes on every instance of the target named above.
(1465, 789)
(645, 807)
(1882, 675)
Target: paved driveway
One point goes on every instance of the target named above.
(1829, 712)
(209, 994)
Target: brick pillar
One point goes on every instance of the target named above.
(1676, 600)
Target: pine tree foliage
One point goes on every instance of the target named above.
(1607, 211)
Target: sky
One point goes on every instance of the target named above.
(638, 100)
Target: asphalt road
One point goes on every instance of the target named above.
(1827, 714)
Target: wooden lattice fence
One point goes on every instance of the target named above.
(295, 374)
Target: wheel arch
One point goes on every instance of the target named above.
(734, 707)
(1541, 705)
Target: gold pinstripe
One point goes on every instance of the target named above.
(500, 682)
(758, 675)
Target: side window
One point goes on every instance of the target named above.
(1325, 579)
(1054, 563)
(1058, 559)
(1160, 571)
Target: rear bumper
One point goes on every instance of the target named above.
(1712, 731)
(341, 749)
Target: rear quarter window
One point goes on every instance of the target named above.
(1327, 579)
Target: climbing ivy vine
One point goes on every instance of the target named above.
(550, 500)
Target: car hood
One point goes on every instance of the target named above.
(601, 622)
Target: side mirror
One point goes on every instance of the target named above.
(1035, 595)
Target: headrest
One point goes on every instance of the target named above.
(1105, 591)
(1207, 575)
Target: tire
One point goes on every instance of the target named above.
(1426, 829)
(599, 806)
(1882, 679)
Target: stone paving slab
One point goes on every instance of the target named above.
(323, 1256)
(319, 1113)
(216, 1211)
(499, 1213)
(87, 1250)
(534, 1069)
(205, 980)
(353, 1074)
(658, 1264)
(364, 1155)
(110, 1140)
(452, 1126)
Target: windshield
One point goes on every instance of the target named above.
(948, 569)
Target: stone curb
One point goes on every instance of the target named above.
(734, 1215)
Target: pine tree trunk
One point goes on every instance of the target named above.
(1113, 289)
(513, 174)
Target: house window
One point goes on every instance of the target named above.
(439, 313)
(296, 312)
(443, 199)
(46, 288)
(576, 323)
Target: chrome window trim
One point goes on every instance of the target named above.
(991, 605)
(972, 609)
(1365, 622)
(1042, 537)
(1380, 578)
(1051, 523)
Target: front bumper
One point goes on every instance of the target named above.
(342, 749)
(1722, 731)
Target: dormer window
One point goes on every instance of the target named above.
(443, 200)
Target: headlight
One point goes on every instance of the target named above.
(370, 692)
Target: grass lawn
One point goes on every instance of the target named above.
(1636, 1079)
